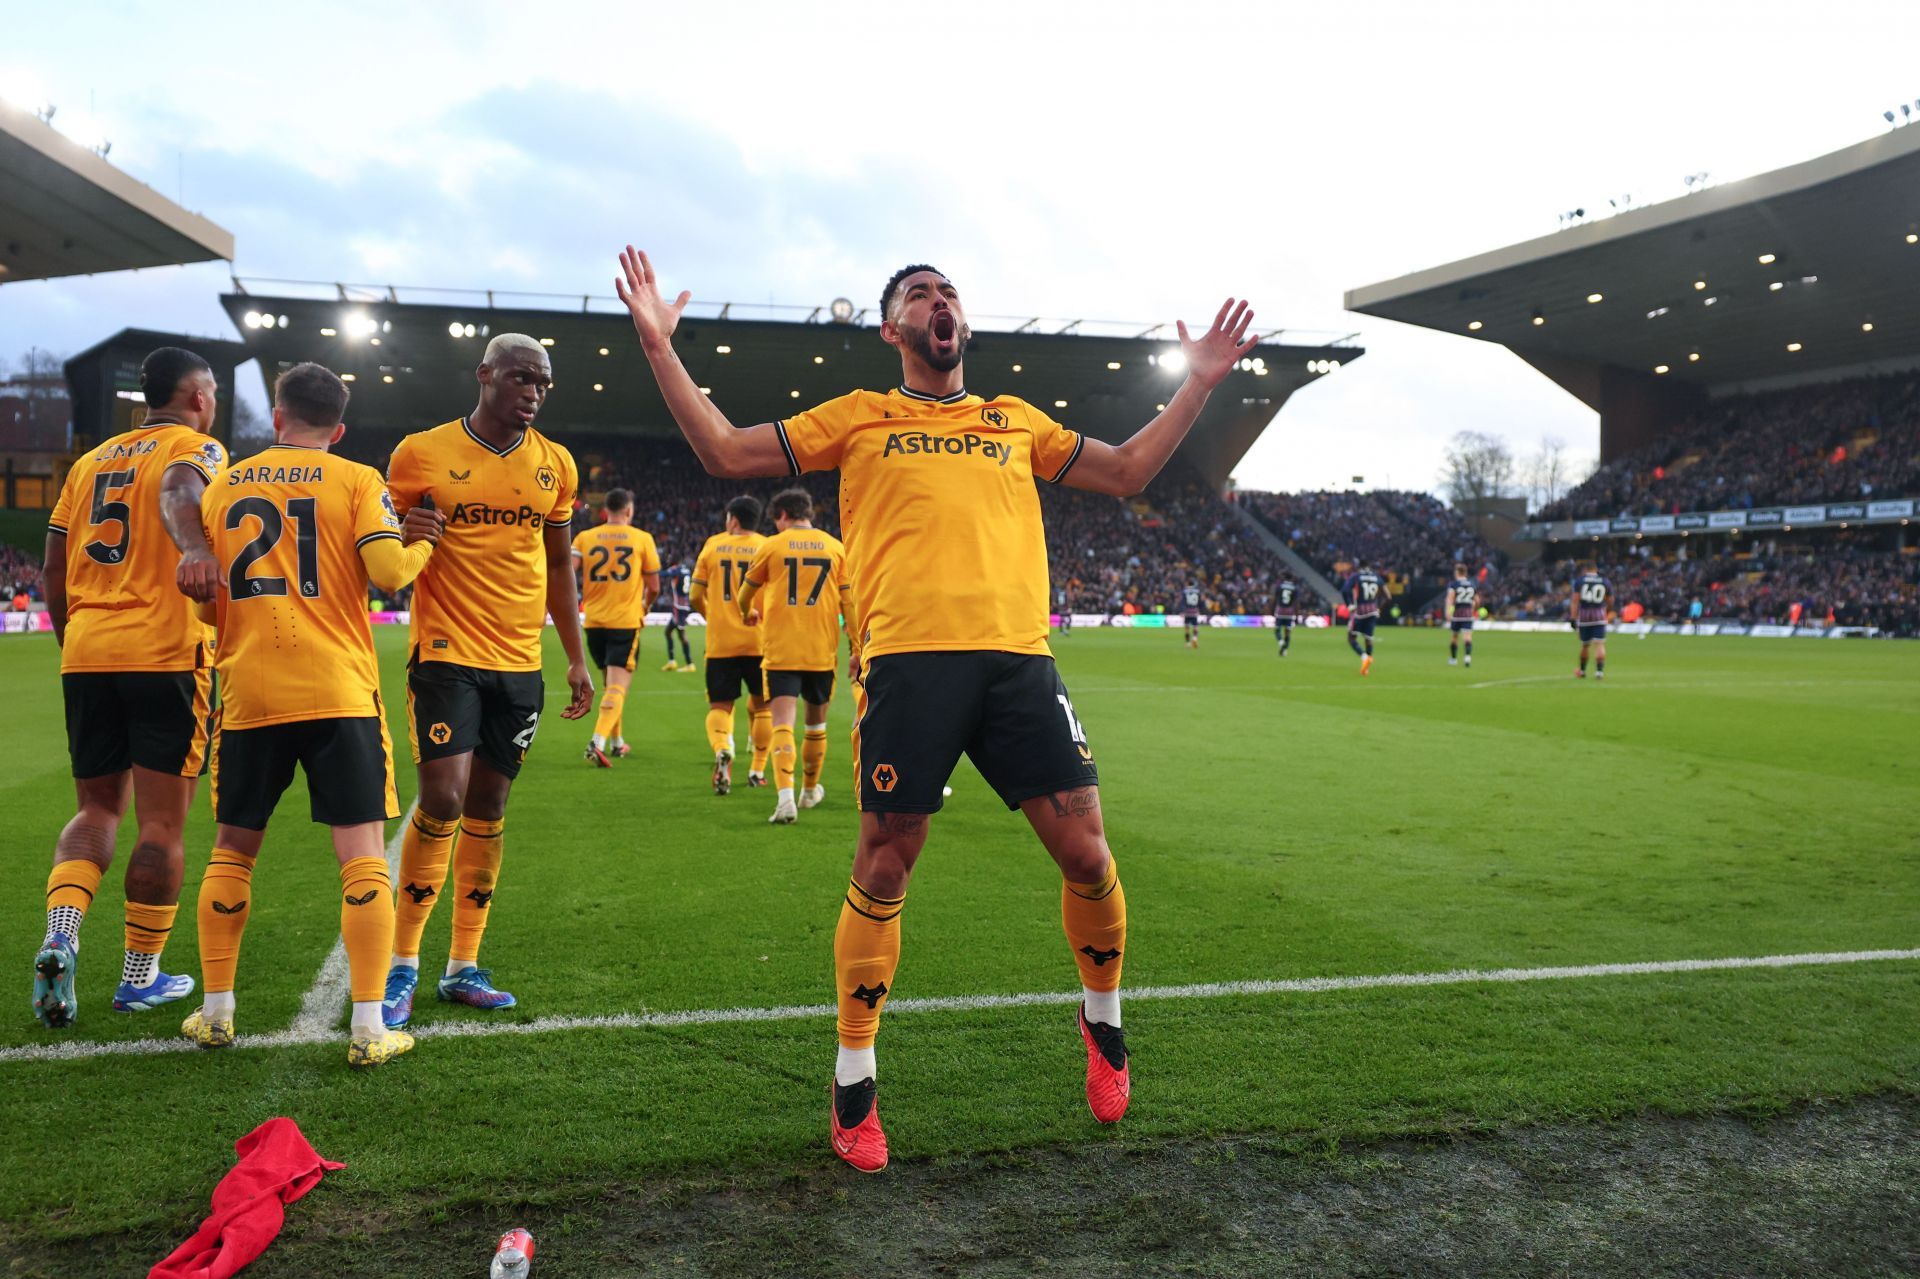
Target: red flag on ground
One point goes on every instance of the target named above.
(277, 1166)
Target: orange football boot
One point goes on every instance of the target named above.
(860, 1143)
(1366, 663)
(1108, 1087)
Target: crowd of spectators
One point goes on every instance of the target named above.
(1403, 533)
(1841, 441)
(1854, 585)
(19, 574)
(1138, 555)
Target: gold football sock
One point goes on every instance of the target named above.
(782, 753)
(1095, 916)
(762, 725)
(366, 925)
(147, 929)
(423, 873)
(719, 729)
(226, 900)
(611, 702)
(476, 869)
(866, 950)
(70, 889)
(813, 754)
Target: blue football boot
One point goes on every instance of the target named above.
(396, 1010)
(474, 988)
(53, 999)
(166, 988)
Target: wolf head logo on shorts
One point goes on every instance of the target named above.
(439, 734)
(884, 778)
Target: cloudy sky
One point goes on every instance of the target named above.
(1113, 160)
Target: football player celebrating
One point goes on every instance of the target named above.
(1365, 592)
(733, 642)
(798, 579)
(474, 687)
(1463, 600)
(1285, 612)
(135, 673)
(298, 535)
(1592, 594)
(620, 575)
(936, 483)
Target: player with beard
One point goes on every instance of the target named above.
(947, 565)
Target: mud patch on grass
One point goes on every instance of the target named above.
(1817, 1189)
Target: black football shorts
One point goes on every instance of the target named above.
(348, 763)
(153, 719)
(1008, 712)
(815, 688)
(611, 647)
(453, 709)
(727, 676)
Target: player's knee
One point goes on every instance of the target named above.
(441, 799)
(1083, 860)
(484, 804)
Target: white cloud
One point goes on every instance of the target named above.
(1118, 160)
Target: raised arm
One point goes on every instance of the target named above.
(725, 450)
(1123, 470)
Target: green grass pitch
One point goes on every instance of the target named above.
(1272, 819)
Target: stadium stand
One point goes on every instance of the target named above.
(1841, 440)
(1407, 534)
(1109, 555)
(1851, 584)
(1136, 556)
(19, 574)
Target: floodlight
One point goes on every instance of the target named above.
(842, 310)
(453, 329)
(251, 319)
(1172, 360)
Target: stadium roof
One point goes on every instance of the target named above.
(1806, 271)
(411, 371)
(65, 211)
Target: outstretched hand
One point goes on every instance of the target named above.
(654, 318)
(1211, 356)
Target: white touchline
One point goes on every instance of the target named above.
(295, 1036)
(325, 1001)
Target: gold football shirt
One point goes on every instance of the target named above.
(801, 575)
(721, 571)
(482, 599)
(945, 547)
(124, 609)
(287, 526)
(614, 559)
